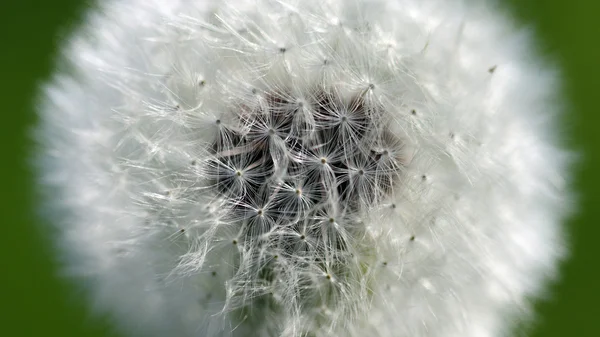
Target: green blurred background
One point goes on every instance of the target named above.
(34, 302)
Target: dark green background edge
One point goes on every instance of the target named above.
(34, 302)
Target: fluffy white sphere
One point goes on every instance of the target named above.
(305, 167)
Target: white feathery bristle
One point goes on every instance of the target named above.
(305, 167)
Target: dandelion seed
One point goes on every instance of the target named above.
(305, 168)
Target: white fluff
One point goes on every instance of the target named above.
(441, 216)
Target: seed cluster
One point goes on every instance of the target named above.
(297, 175)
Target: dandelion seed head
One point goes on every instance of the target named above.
(305, 168)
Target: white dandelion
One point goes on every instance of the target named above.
(305, 167)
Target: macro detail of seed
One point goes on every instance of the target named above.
(282, 180)
(271, 156)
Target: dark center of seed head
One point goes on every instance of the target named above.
(263, 160)
(332, 144)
